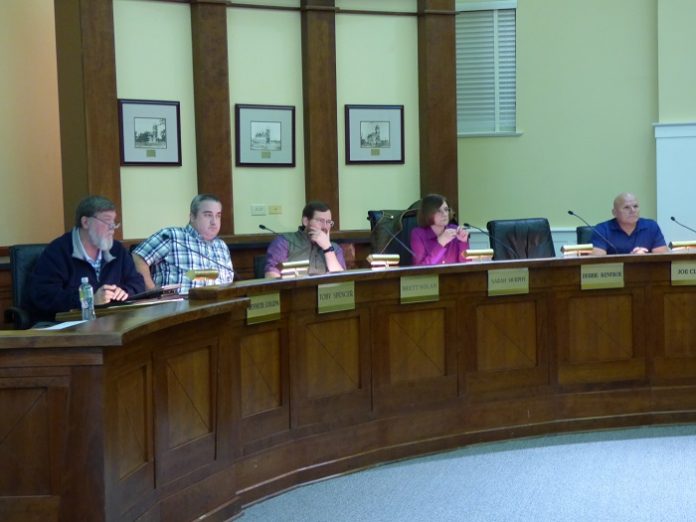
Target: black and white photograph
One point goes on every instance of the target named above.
(150, 132)
(265, 135)
(374, 134)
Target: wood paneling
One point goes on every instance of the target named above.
(212, 104)
(260, 372)
(319, 99)
(87, 101)
(192, 413)
(437, 99)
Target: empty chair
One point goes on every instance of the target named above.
(584, 234)
(521, 238)
(22, 261)
(391, 232)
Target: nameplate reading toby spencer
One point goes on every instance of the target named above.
(604, 275)
(683, 273)
(336, 297)
(420, 289)
(263, 308)
(508, 281)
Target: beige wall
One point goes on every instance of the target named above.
(677, 61)
(587, 98)
(31, 200)
(154, 62)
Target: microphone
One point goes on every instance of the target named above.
(682, 225)
(393, 236)
(497, 241)
(594, 229)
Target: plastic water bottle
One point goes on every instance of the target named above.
(87, 300)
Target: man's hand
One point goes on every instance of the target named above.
(318, 236)
(108, 293)
(640, 250)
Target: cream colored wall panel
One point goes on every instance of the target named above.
(154, 62)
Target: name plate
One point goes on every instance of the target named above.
(683, 273)
(420, 289)
(508, 281)
(336, 297)
(605, 275)
(263, 308)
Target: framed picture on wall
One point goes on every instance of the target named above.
(374, 134)
(265, 135)
(150, 132)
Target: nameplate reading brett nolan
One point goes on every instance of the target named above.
(508, 281)
(336, 297)
(683, 273)
(420, 289)
(263, 308)
(604, 275)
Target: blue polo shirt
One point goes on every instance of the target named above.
(647, 234)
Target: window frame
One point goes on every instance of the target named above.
(494, 6)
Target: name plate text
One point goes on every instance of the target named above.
(508, 281)
(336, 297)
(683, 273)
(420, 289)
(605, 275)
(263, 308)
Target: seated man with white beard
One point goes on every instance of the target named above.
(88, 250)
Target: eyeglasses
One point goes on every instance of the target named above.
(324, 222)
(445, 211)
(111, 226)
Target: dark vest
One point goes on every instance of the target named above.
(300, 248)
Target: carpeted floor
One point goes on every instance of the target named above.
(642, 474)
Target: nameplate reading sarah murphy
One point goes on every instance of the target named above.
(604, 275)
(508, 281)
(683, 273)
(420, 289)
(263, 308)
(336, 297)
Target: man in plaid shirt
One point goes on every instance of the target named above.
(165, 257)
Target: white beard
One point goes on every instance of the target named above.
(102, 243)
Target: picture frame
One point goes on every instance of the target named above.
(150, 132)
(374, 134)
(264, 135)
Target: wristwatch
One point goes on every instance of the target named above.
(329, 249)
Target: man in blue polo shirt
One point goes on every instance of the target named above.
(627, 233)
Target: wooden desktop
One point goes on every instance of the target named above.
(183, 410)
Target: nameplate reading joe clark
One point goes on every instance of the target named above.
(508, 281)
(263, 308)
(683, 273)
(604, 275)
(420, 289)
(336, 297)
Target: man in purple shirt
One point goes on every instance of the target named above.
(311, 242)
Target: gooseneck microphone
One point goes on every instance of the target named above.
(393, 236)
(497, 241)
(594, 229)
(682, 225)
(201, 254)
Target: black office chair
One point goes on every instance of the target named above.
(260, 266)
(391, 232)
(584, 234)
(521, 238)
(22, 261)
